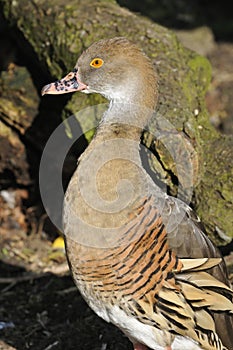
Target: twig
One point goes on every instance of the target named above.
(52, 345)
(18, 279)
(67, 291)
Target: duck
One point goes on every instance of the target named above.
(139, 257)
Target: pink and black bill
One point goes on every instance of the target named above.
(70, 83)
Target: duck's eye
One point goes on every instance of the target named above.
(96, 62)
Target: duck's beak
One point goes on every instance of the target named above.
(69, 83)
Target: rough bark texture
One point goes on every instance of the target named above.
(50, 35)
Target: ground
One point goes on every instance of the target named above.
(39, 304)
(40, 308)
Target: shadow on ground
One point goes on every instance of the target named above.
(48, 313)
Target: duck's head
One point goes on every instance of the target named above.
(115, 68)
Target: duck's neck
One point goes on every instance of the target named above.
(124, 120)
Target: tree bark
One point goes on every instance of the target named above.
(189, 155)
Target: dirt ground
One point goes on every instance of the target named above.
(40, 308)
(39, 304)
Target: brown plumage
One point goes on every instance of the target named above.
(139, 257)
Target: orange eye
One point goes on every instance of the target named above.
(96, 62)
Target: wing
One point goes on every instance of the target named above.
(186, 235)
(212, 302)
(185, 306)
(187, 238)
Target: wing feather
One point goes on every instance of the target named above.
(188, 296)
